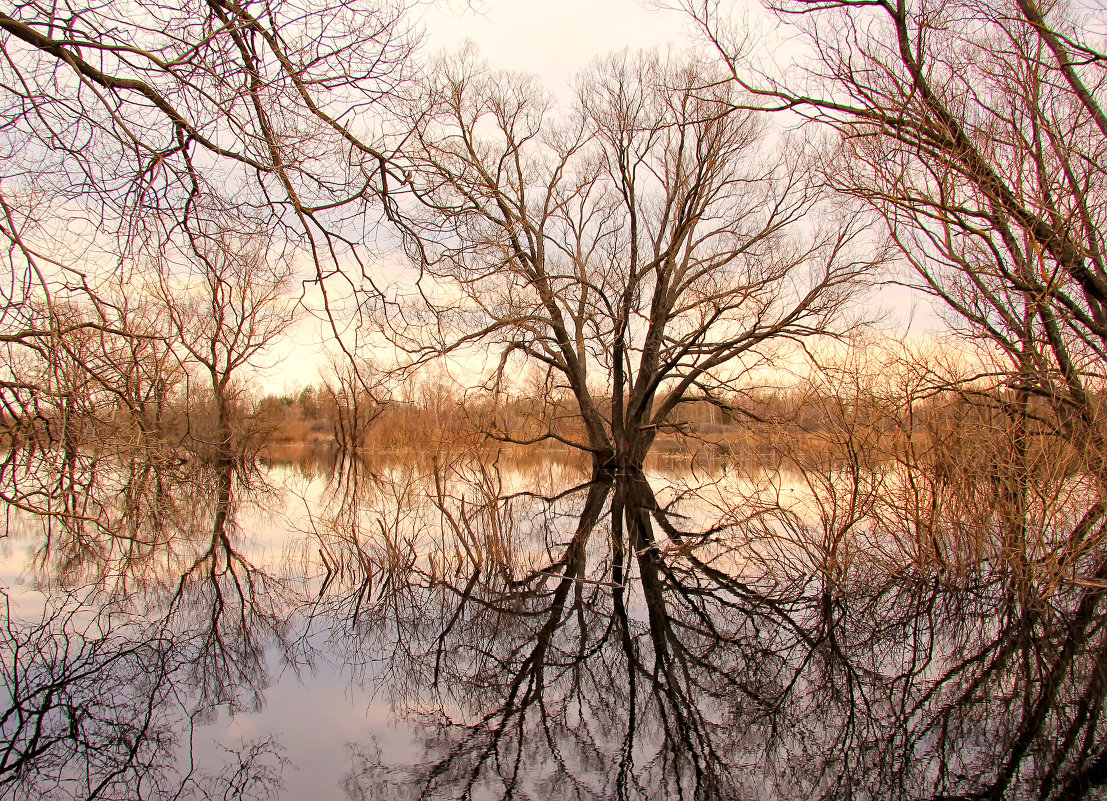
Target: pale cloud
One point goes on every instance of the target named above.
(554, 39)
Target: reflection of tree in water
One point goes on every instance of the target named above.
(558, 675)
(611, 655)
(232, 610)
(594, 641)
(154, 620)
(93, 710)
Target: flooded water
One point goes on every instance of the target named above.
(418, 627)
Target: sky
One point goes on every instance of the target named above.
(552, 38)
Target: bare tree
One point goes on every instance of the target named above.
(92, 379)
(358, 398)
(224, 317)
(977, 132)
(638, 251)
(149, 114)
(130, 127)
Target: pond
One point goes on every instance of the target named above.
(488, 627)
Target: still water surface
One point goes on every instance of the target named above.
(470, 628)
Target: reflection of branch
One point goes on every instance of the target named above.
(618, 666)
(100, 711)
(240, 604)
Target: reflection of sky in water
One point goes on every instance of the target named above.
(315, 716)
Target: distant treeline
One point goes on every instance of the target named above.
(962, 430)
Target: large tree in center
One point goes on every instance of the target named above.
(640, 251)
